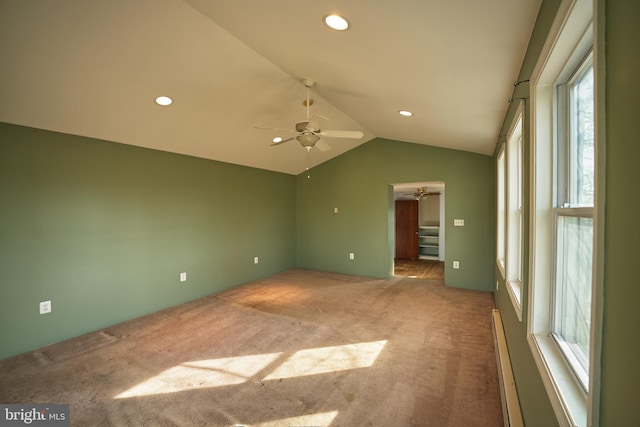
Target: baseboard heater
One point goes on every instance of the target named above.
(510, 403)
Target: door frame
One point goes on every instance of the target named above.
(396, 190)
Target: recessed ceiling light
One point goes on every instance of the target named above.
(164, 101)
(336, 22)
(277, 139)
(405, 113)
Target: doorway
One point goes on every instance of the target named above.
(419, 230)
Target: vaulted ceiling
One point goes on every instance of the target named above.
(94, 68)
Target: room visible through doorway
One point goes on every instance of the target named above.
(419, 230)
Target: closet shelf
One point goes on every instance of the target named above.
(428, 241)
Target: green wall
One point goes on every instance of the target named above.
(104, 229)
(617, 285)
(357, 183)
(621, 342)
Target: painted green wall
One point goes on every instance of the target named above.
(618, 289)
(621, 342)
(104, 229)
(357, 183)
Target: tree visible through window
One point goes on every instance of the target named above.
(582, 138)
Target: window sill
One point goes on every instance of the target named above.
(567, 397)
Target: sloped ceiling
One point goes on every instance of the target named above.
(94, 68)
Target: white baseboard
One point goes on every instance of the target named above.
(508, 392)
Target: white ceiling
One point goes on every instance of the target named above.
(94, 68)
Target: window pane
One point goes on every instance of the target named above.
(582, 182)
(514, 207)
(519, 219)
(572, 320)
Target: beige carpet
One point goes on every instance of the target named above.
(301, 348)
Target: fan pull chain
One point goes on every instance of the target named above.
(308, 150)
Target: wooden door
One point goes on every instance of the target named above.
(406, 229)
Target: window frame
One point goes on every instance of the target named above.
(565, 203)
(501, 216)
(515, 210)
(570, 38)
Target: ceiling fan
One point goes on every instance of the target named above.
(309, 131)
(422, 192)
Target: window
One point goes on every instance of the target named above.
(515, 213)
(500, 238)
(573, 218)
(562, 223)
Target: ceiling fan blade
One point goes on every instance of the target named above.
(313, 126)
(282, 142)
(279, 130)
(353, 134)
(322, 145)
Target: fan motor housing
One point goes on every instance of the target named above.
(303, 126)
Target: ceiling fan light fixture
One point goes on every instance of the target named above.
(336, 22)
(405, 113)
(307, 140)
(164, 101)
(277, 139)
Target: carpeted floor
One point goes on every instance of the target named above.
(301, 348)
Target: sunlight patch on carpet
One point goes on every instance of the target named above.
(202, 374)
(238, 370)
(328, 359)
(319, 419)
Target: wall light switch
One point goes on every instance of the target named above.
(183, 277)
(352, 255)
(255, 259)
(458, 222)
(45, 307)
(335, 210)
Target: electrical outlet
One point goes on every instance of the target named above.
(456, 265)
(255, 260)
(352, 255)
(335, 210)
(183, 277)
(45, 307)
